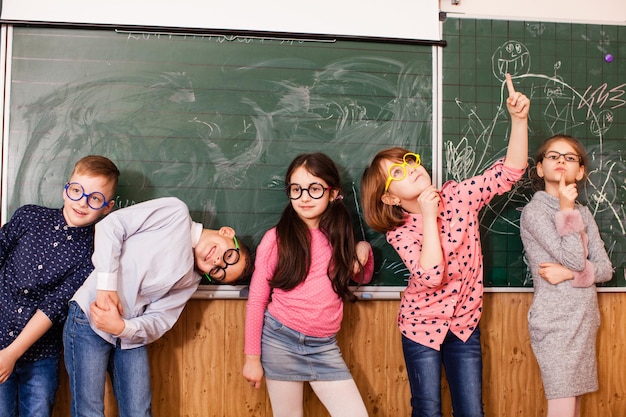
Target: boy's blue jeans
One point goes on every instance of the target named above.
(30, 389)
(463, 366)
(88, 357)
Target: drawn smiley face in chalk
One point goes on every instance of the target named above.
(511, 57)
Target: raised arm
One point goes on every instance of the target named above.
(518, 106)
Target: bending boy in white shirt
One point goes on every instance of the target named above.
(148, 259)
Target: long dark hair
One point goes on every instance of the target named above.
(294, 248)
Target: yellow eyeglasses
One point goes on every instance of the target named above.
(397, 172)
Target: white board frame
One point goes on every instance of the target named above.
(392, 19)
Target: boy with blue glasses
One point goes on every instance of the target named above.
(45, 256)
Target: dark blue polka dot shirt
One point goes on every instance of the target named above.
(43, 261)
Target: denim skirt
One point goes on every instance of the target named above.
(288, 355)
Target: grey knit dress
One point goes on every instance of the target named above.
(563, 319)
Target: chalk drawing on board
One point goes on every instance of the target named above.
(512, 57)
(564, 109)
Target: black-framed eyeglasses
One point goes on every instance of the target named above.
(315, 191)
(230, 257)
(555, 156)
(96, 200)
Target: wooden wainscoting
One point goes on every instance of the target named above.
(196, 367)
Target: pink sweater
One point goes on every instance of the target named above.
(312, 308)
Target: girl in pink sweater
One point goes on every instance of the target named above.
(295, 306)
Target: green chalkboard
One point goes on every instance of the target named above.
(575, 75)
(212, 120)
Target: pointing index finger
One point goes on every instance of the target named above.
(509, 84)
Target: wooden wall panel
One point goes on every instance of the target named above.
(168, 355)
(202, 389)
(196, 367)
(610, 400)
(491, 332)
(240, 399)
(363, 344)
(398, 393)
(615, 336)
(512, 384)
(597, 403)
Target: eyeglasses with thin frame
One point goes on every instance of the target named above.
(75, 192)
(315, 191)
(230, 257)
(397, 172)
(555, 156)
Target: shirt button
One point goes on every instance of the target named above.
(11, 334)
(25, 291)
(19, 310)
(40, 267)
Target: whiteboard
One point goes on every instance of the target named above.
(392, 19)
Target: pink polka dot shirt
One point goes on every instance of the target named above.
(448, 296)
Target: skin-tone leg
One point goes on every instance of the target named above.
(286, 397)
(564, 407)
(341, 398)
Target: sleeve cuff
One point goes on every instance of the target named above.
(584, 278)
(568, 222)
(128, 331)
(432, 277)
(106, 281)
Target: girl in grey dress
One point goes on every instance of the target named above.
(567, 258)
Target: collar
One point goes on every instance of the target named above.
(196, 231)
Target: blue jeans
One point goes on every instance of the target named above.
(88, 357)
(30, 390)
(464, 368)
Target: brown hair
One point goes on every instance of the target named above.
(380, 216)
(98, 166)
(294, 247)
(248, 267)
(537, 182)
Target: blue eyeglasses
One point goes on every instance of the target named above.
(96, 200)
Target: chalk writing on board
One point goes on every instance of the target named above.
(133, 35)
